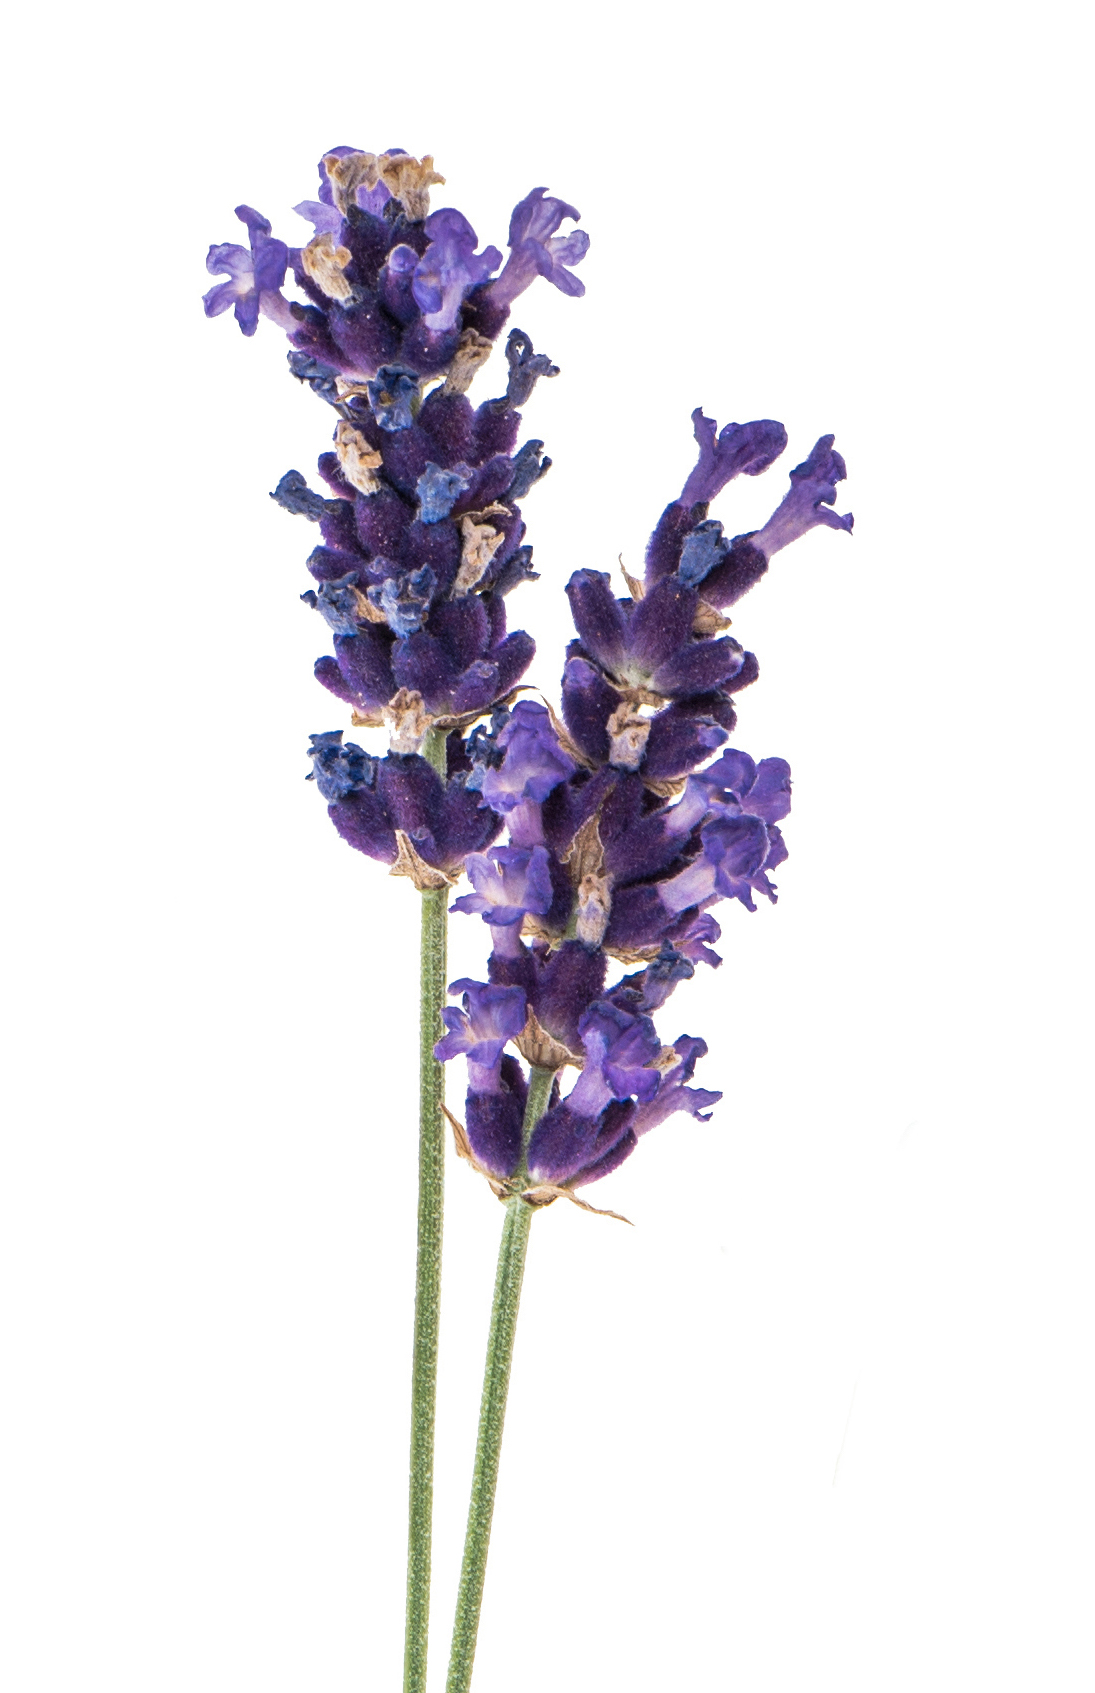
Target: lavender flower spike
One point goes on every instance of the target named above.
(813, 493)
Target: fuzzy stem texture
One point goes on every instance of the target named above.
(492, 1410)
(427, 1297)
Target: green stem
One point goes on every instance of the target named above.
(427, 1293)
(492, 1410)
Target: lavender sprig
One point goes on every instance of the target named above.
(622, 837)
(420, 541)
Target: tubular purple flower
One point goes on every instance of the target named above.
(534, 762)
(449, 268)
(255, 276)
(673, 1095)
(491, 1016)
(535, 249)
(812, 494)
(734, 853)
(742, 449)
(509, 882)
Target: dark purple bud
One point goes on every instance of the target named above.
(698, 666)
(404, 600)
(813, 492)
(491, 1016)
(567, 982)
(679, 739)
(391, 393)
(572, 1146)
(588, 703)
(743, 449)
(735, 573)
(494, 1119)
(599, 619)
(616, 1133)
(396, 283)
(294, 494)
(337, 604)
(509, 882)
(361, 671)
(438, 491)
(336, 769)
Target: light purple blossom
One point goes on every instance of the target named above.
(742, 449)
(491, 1016)
(536, 250)
(812, 495)
(673, 1095)
(255, 276)
(534, 762)
(449, 268)
(509, 882)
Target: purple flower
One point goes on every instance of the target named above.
(533, 763)
(581, 1130)
(743, 449)
(735, 850)
(509, 882)
(649, 989)
(673, 1095)
(813, 493)
(535, 249)
(449, 268)
(734, 781)
(491, 1017)
(692, 934)
(255, 276)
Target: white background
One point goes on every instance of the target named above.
(822, 1418)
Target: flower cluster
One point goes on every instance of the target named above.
(619, 843)
(420, 530)
(628, 817)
